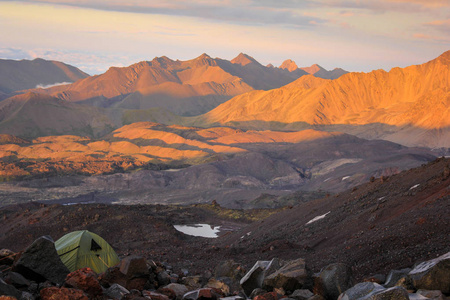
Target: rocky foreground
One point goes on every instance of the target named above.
(38, 273)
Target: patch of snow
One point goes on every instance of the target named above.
(46, 86)
(317, 218)
(381, 198)
(414, 186)
(327, 179)
(346, 177)
(202, 230)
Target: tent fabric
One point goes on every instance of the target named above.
(80, 249)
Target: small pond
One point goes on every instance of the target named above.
(203, 230)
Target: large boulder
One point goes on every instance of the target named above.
(435, 295)
(254, 278)
(219, 284)
(301, 294)
(17, 280)
(393, 293)
(203, 294)
(333, 280)
(229, 269)
(293, 275)
(178, 289)
(55, 293)
(116, 291)
(134, 266)
(86, 280)
(433, 274)
(361, 291)
(40, 262)
(395, 275)
(9, 290)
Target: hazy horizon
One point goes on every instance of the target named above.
(353, 35)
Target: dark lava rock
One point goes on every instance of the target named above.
(17, 280)
(333, 280)
(203, 294)
(9, 290)
(116, 291)
(255, 277)
(229, 269)
(40, 262)
(301, 294)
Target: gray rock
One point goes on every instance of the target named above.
(116, 291)
(9, 290)
(27, 296)
(163, 278)
(394, 276)
(255, 277)
(433, 274)
(40, 262)
(361, 291)
(229, 269)
(17, 280)
(194, 282)
(393, 293)
(301, 294)
(435, 295)
(134, 267)
(233, 298)
(179, 289)
(219, 284)
(290, 277)
(257, 292)
(333, 280)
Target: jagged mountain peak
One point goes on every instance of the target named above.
(243, 59)
(313, 69)
(289, 65)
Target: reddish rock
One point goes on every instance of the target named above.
(86, 280)
(54, 293)
(203, 294)
(168, 292)
(154, 295)
(134, 266)
(111, 276)
(7, 298)
(136, 284)
(268, 296)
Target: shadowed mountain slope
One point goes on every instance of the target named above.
(30, 115)
(389, 223)
(409, 105)
(25, 74)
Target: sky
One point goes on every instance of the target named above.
(357, 35)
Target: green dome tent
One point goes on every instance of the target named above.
(80, 249)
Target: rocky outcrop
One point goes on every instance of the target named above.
(142, 279)
(432, 274)
(40, 262)
(333, 280)
(293, 275)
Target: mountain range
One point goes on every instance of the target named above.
(25, 74)
(405, 105)
(186, 88)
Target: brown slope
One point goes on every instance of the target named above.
(412, 103)
(30, 115)
(387, 224)
(25, 74)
